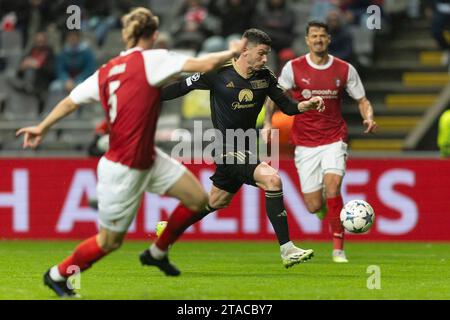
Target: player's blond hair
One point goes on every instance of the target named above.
(139, 23)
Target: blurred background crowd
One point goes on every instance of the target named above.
(404, 64)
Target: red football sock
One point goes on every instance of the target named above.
(85, 254)
(179, 221)
(334, 206)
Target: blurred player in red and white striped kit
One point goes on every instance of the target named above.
(320, 138)
(128, 88)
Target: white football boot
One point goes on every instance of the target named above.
(291, 255)
(339, 256)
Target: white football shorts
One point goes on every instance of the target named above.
(313, 162)
(120, 188)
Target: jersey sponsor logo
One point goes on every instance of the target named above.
(230, 84)
(245, 97)
(193, 78)
(325, 94)
(259, 84)
(306, 93)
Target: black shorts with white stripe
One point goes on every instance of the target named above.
(233, 169)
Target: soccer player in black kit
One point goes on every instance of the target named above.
(238, 91)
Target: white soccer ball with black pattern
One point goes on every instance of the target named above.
(357, 216)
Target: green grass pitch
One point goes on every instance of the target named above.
(237, 270)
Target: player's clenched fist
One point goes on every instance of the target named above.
(236, 46)
(315, 103)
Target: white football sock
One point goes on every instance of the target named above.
(285, 247)
(157, 253)
(55, 275)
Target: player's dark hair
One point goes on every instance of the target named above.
(317, 24)
(256, 37)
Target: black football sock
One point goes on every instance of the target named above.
(200, 215)
(277, 215)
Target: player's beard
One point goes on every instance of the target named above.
(323, 51)
(256, 66)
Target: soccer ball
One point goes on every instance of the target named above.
(357, 216)
(160, 226)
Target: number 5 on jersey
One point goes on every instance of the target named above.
(112, 101)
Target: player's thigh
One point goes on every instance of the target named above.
(169, 177)
(119, 191)
(307, 162)
(332, 182)
(334, 166)
(189, 191)
(219, 198)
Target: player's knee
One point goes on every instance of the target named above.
(313, 205)
(112, 245)
(273, 182)
(218, 203)
(199, 204)
(332, 192)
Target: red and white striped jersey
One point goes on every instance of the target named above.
(128, 87)
(306, 80)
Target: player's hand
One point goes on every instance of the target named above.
(266, 133)
(371, 126)
(315, 103)
(32, 136)
(236, 46)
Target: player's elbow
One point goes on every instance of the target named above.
(206, 67)
(288, 107)
(70, 105)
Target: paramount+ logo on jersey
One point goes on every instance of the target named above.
(245, 100)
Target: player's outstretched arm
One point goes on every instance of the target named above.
(366, 110)
(199, 65)
(34, 135)
(211, 61)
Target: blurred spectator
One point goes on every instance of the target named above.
(234, 15)
(31, 15)
(194, 25)
(320, 8)
(75, 63)
(440, 25)
(36, 69)
(278, 21)
(100, 18)
(341, 44)
(37, 18)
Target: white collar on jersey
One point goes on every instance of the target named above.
(317, 66)
(124, 53)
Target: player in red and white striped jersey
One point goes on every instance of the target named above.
(128, 88)
(320, 138)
